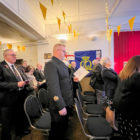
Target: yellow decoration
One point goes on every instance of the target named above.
(64, 15)
(118, 29)
(108, 34)
(9, 46)
(76, 34)
(18, 48)
(70, 28)
(59, 22)
(23, 48)
(0, 43)
(131, 22)
(52, 2)
(44, 10)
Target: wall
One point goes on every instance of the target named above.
(28, 11)
(77, 45)
(30, 55)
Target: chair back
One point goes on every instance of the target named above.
(43, 97)
(32, 108)
(79, 97)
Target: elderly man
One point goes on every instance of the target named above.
(60, 92)
(12, 95)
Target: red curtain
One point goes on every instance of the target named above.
(126, 45)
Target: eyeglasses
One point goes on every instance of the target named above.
(62, 50)
(14, 55)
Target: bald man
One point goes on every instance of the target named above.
(60, 92)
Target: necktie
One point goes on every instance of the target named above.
(16, 73)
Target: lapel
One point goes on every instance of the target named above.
(7, 68)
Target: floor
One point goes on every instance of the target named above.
(74, 132)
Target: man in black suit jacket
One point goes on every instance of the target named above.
(38, 73)
(12, 95)
(60, 92)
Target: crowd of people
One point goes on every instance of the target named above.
(118, 94)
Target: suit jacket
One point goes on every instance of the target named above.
(99, 84)
(8, 85)
(59, 84)
(110, 78)
(39, 76)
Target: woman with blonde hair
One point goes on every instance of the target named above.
(127, 100)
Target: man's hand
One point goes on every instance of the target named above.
(63, 112)
(75, 79)
(21, 83)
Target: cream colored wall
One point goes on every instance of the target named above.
(77, 45)
(30, 55)
(29, 11)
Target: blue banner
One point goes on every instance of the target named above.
(85, 58)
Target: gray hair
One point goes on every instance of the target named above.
(104, 60)
(5, 52)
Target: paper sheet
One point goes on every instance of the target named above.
(81, 73)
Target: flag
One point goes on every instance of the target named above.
(70, 28)
(118, 29)
(64, 15)
(52, 2)
(23, 48)
(59, 22)
(131, 22)
(44, 10)
(85, 58)
(9, 46)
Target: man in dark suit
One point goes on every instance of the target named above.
(38, 73)
(12, 95)
(60, 92)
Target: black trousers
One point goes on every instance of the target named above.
(59, 124)
(13, 117)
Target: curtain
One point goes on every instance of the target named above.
(126, 45)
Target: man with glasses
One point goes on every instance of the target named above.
(12, 95)
(60, 92)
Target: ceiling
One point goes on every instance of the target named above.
(86, 16)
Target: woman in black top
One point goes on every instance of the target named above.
(127, 100)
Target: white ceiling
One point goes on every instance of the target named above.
(86, 16)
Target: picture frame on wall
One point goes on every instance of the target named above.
(47, 55)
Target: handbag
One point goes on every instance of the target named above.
(92, 81)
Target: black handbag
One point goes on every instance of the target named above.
(92, 81)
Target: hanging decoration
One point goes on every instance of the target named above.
(52, 2)
(131, 22)
(23, 48)
(59, 22)
(18, 48)
(118, 29)
(76, 34)
(64, 15)
(44, 10)
(9, 46)
(70, 28)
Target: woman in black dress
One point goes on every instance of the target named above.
(127, 100)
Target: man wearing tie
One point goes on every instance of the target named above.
(12, 95)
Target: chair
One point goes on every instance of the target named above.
(87, 98)
(36, 118)
(97, 127)
(91, 109)
(43, 98)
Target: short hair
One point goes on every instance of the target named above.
(104, 60)
(57, 45)
(5, 52)
(28, 68)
